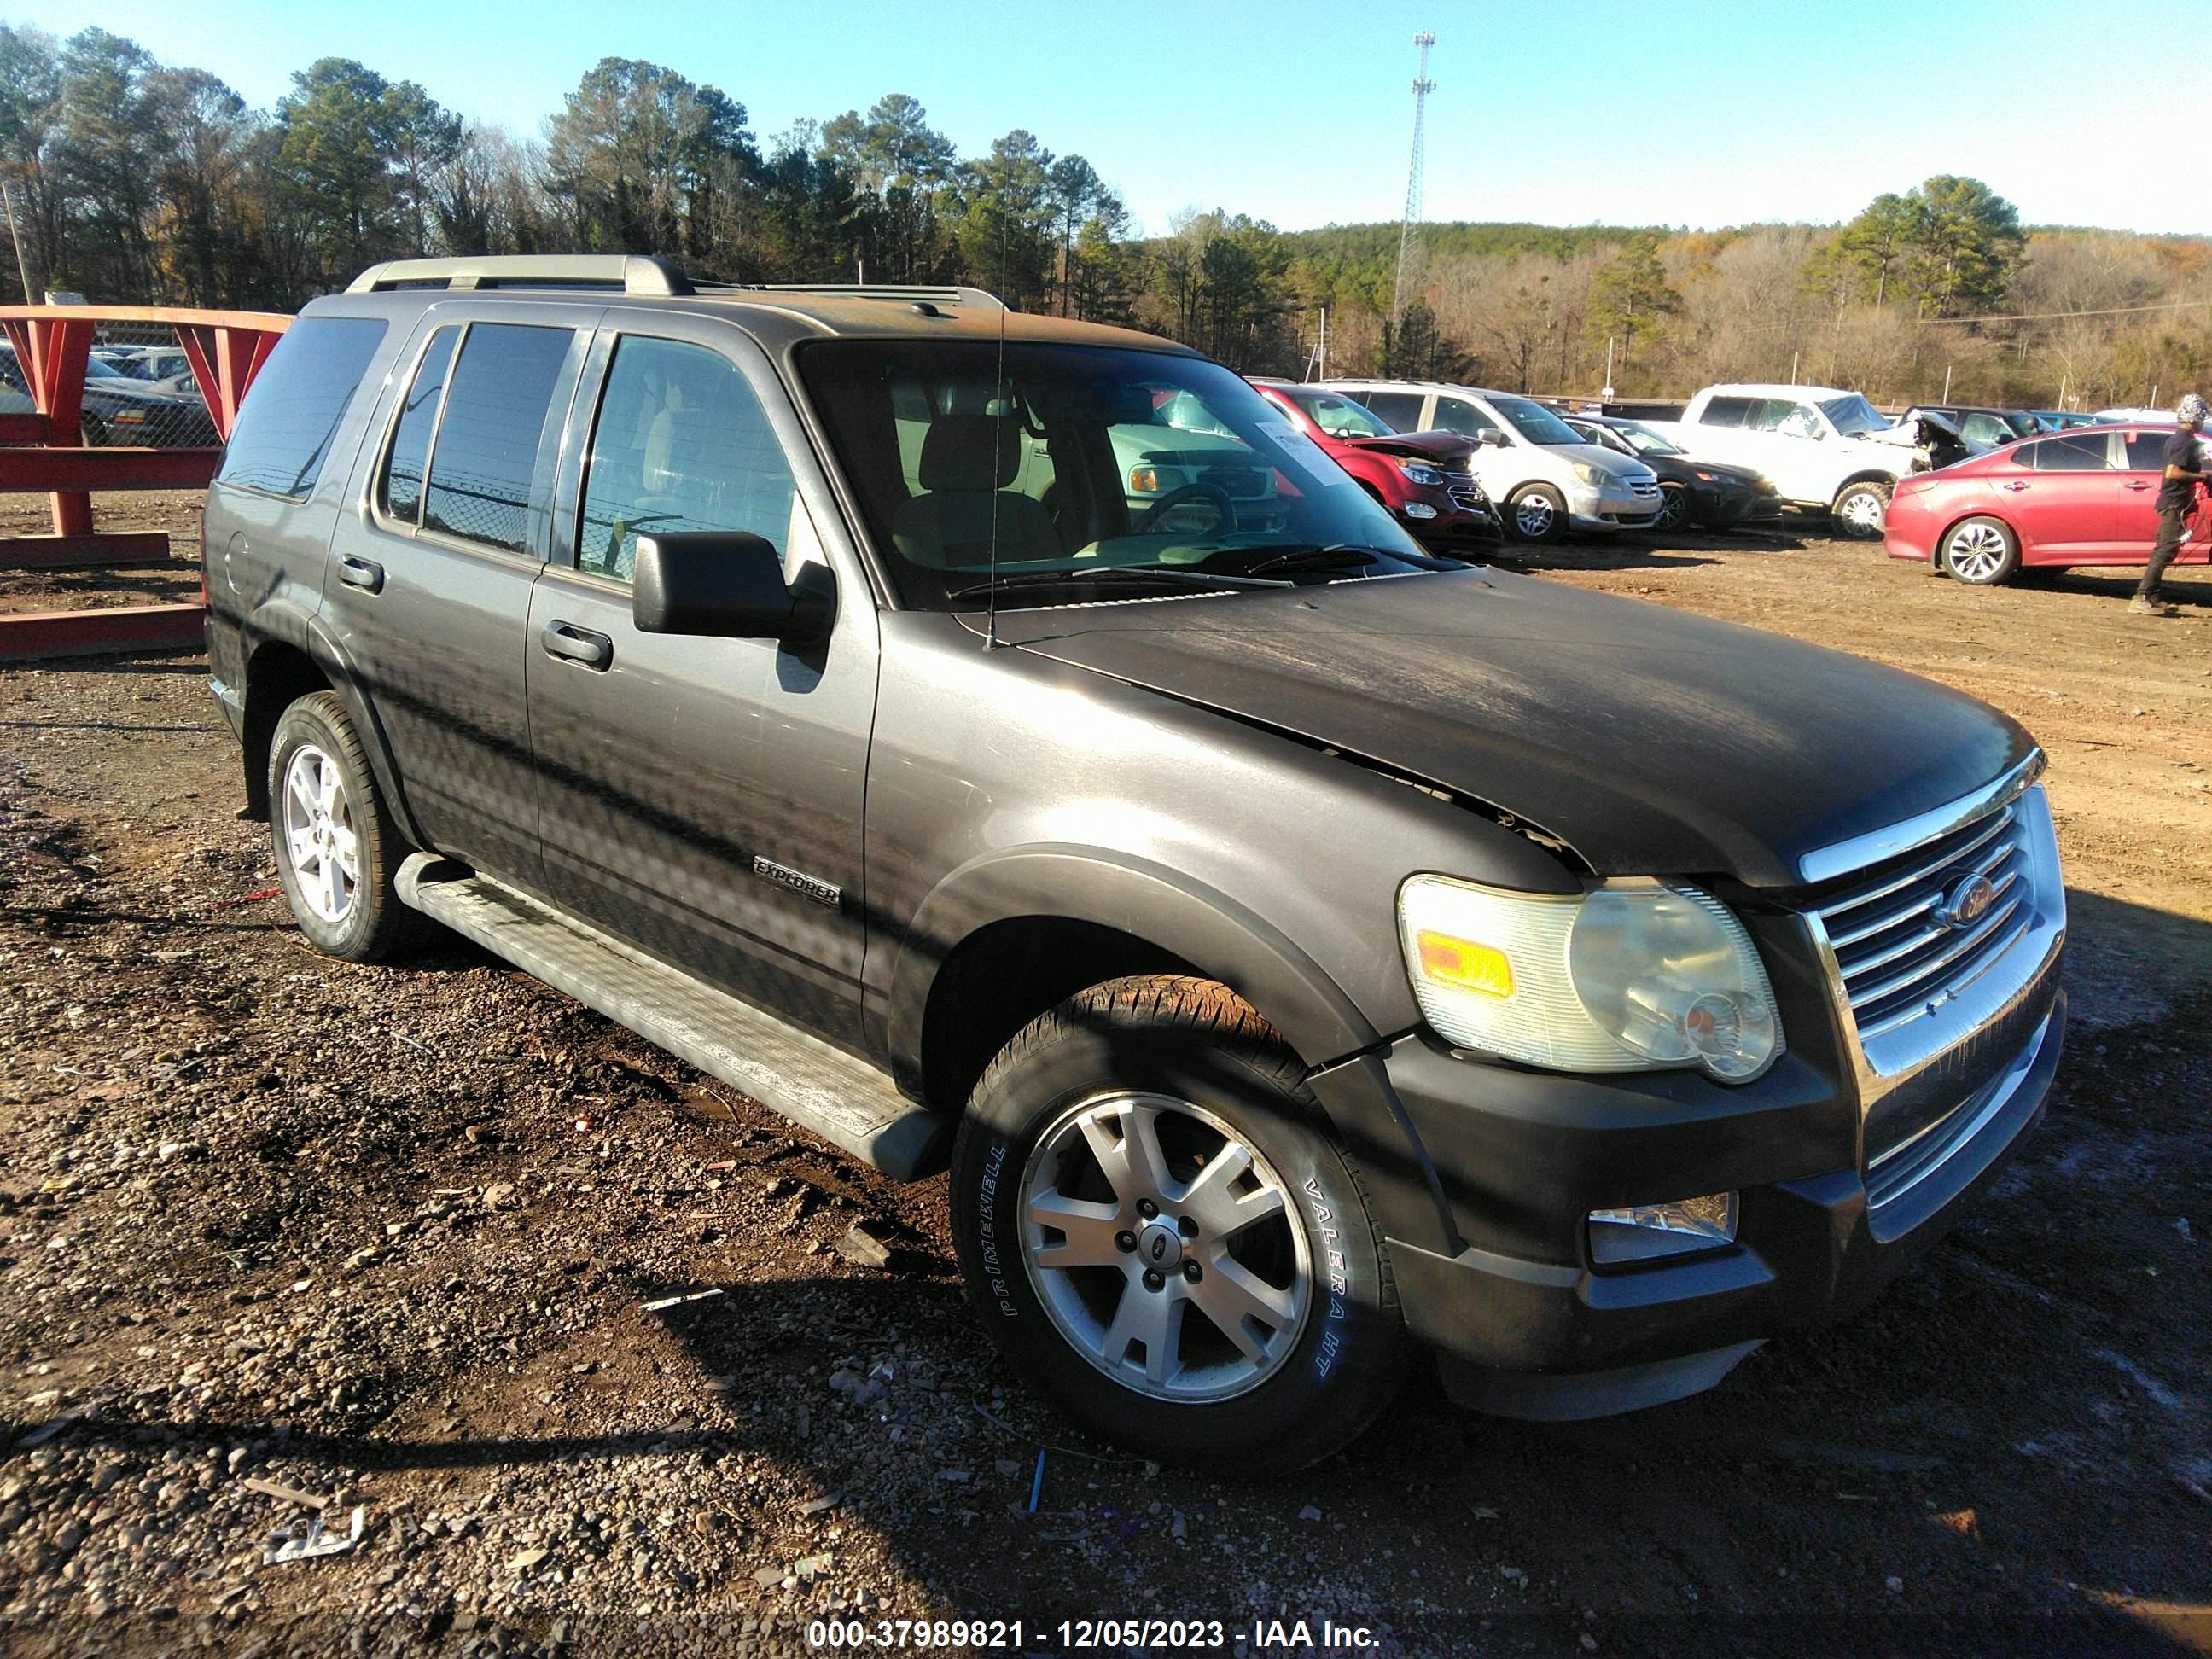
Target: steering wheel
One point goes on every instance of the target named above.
(1213, 493)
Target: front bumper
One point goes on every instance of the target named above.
(1610, 509)
(1522, 1322)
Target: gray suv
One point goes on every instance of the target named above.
(1296, 947)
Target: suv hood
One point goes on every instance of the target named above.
(1430, 445)
(1650, 741)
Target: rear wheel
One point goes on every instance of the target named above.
(1862, 509)
(1159, 1235)
(1536, 513)
(338, 851)
(1982, 551)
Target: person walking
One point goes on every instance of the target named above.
(2185, 471)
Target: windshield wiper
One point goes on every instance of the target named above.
(1338, 556)
(1173, 575)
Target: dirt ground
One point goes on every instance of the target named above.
(403, 1239)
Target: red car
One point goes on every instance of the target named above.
(1422, 478)
(2081, 497)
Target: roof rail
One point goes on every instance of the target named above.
(948, 295)
(632, 273)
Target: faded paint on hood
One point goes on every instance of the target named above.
(1652, 741)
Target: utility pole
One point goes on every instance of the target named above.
(22, 270)
(1409, 232)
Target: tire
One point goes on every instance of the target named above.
(1981, 552)
(1536, 512)
(323, 796)
(1184, 1068)
(94, 431)
(1673, 509)
(1860, 510)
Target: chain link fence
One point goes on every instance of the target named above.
(139, 390)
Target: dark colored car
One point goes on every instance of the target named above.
(1706, 493)
(2088, 496)
(1980, 424)
(1422, 479)
(1295, 947)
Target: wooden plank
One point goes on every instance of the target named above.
(105, 550)
(30, 636)
(107, 469)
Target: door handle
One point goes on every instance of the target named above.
(2136, 483)
(2014, 483)
(361, 574)
(594, 651)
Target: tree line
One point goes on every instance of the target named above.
(134, 181)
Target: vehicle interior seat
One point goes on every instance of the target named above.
(967, 462)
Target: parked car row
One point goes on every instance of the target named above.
(120, 412)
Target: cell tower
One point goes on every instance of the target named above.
(1409, 234)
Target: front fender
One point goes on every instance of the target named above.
(1220, 937)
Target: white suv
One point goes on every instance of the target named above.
(1821, 449)
(1529, 462)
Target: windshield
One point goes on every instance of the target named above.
(1853, 415)
(1082, 462)
(1340, 417)
(1645, 442)
(1533, 421)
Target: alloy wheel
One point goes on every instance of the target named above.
(1864, 512)
(1673, 509)
(319, 834)
(1532, 517)
(1975, 552)
(1164, 1248)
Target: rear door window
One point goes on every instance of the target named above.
(681, 444)
(1725, 411)
(1457, 415)
(488, 437)
(284, 429)
(399, 491)
(2089, 453)
(1402, 409)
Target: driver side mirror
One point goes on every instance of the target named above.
(726, 584)
(1489, 437)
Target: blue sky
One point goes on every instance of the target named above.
(1697, 112)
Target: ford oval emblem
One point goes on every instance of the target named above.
(1967, 902)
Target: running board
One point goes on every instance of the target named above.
(822, 1089)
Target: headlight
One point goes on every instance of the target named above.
(1632, 976)
(1595, 477)
(1422, 473)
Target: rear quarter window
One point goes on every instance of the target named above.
(289, 417)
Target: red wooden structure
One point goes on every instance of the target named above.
(52, 343)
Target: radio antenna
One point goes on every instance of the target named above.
(998, 396)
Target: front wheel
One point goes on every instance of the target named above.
(1674, 507)
(1536, 513)
(1159, 1235)
(1862, 509)
(1981, 551)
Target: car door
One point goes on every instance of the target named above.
(433, 562)
(702, 798)
(2061, 497)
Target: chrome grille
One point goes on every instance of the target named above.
(1645, 487)
(1894, 947)
(1464, 489)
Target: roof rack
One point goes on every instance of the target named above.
(631, 273)
(981, 299)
